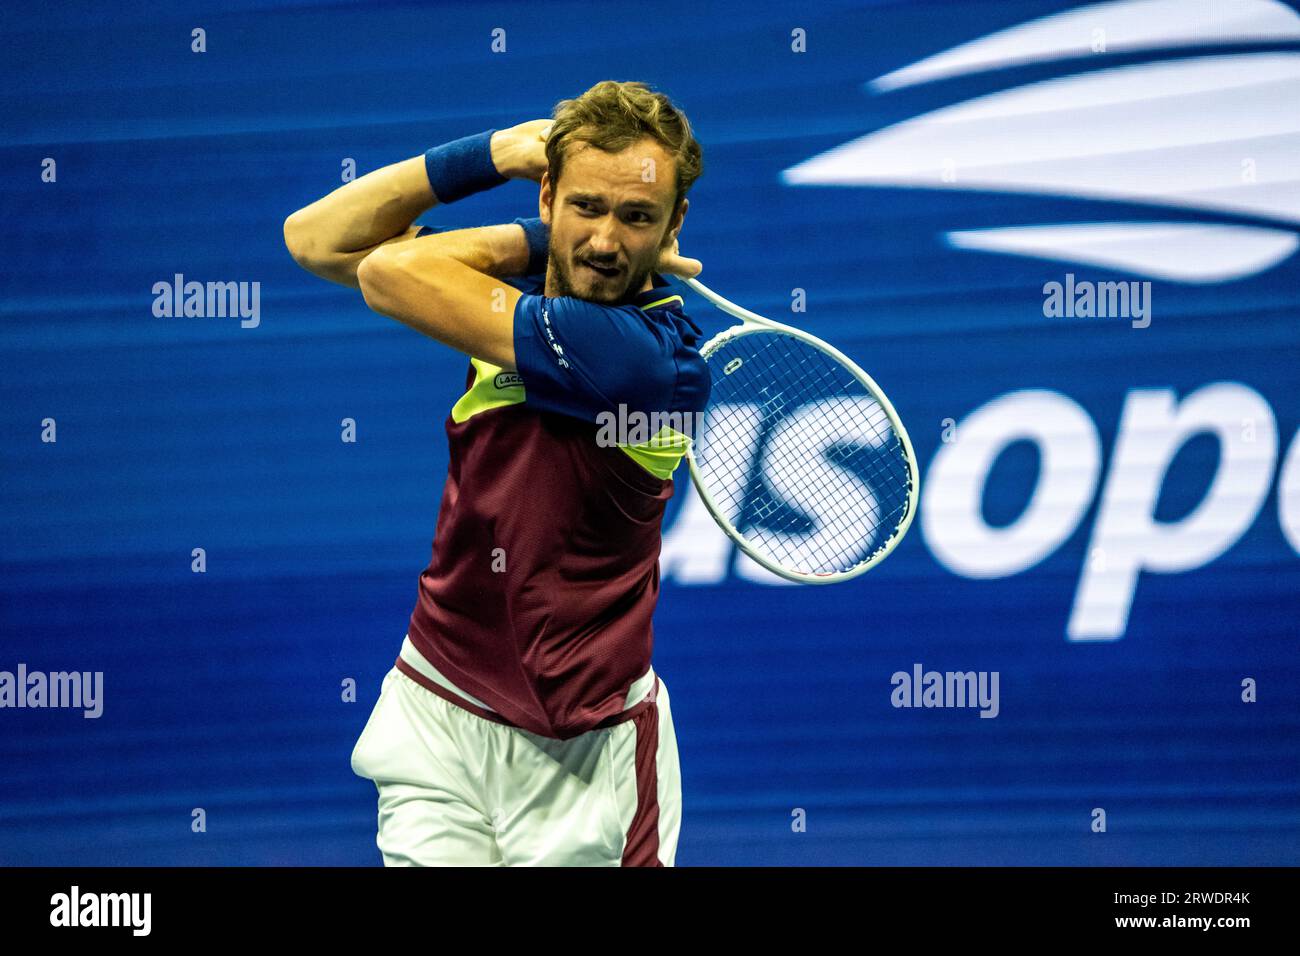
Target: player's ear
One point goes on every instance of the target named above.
(679, 217)
(675, 223)
(544, 199)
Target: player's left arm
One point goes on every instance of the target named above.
(449, 287)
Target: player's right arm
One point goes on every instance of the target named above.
(331, 237)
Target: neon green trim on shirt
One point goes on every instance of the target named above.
(651, 305)
(661, 454)
(493, 387)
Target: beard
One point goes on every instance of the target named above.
(586, 285)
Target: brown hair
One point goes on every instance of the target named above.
(612, 116)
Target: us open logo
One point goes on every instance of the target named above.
(1195, 218)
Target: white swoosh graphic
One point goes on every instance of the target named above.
(1126, 25)
(1175, 133)
(1181, 252)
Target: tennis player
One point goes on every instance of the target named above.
(523, 723)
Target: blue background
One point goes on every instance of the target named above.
(223, 689)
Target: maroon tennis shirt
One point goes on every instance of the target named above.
(545, 569)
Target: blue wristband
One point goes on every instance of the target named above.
(539, 236)
(462, 167)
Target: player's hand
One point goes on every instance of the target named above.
(519, 152)
(673, 263)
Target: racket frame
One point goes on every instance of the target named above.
(753, 322)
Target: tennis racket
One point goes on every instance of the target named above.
(803, 461)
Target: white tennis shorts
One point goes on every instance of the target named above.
(457, 789)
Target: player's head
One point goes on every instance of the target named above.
(621, 159)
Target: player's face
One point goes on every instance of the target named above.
(608, 220)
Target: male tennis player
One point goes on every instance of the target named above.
(523, 723)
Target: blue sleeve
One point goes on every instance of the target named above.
(538, 235)
(578, 358)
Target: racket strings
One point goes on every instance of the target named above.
(826, 474)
